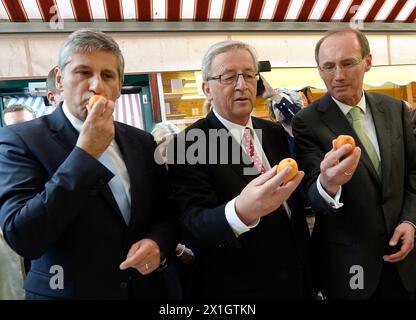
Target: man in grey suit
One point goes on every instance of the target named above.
(365, 199)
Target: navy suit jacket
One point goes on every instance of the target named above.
(56, 209)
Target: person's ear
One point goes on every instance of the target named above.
(58, 79)
(119, 89)
(368, 60)
(51, 97)
(207, 91)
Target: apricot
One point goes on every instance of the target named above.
(345, 139)
(93, 100)
(288, 162)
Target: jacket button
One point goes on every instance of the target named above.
(123, 285)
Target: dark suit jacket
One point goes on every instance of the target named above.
(358, 233)
(56, 208)
(266, 262)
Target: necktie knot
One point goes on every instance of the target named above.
(247, 133)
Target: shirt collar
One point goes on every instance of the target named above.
(346, 108)
(76, 123)
(235, 129)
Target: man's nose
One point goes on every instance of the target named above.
(339, 73)
(241, 83)
(97, 84)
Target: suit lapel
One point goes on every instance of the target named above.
(382, 119)
(131, 151)
(214, 123)
(275, 151)
(270, 144)
(66, 136)
(62, 130)
(337, 122)
(122, 142)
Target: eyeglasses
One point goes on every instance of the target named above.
(230, 78)
(329, 68)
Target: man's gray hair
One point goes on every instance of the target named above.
(89, 40)
(222, 47)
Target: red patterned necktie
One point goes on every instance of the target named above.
(249, 147)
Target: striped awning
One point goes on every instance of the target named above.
(208, 10)
(128, 108)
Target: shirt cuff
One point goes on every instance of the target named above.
(405, 221)
(234, 221)
(333, 202)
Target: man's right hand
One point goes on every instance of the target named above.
(336, 172)
(265, 194)
(98, 129)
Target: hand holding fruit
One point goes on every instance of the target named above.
(345, 139)
(98, 129)
(291, 163)
(267, 192)
(93, 100)
(339, 164)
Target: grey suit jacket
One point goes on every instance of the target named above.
(358, 233)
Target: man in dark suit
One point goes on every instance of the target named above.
(248, 232)
(81, 195)
(364, 199)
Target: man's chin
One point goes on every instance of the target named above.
(82, 114)
(340, 94)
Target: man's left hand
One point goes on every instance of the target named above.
(144, 256)
(406, 233)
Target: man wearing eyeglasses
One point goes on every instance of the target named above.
(246, 226)
(364, 199)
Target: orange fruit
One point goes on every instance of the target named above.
(344, 139)
(93, 100)
(288, 162)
